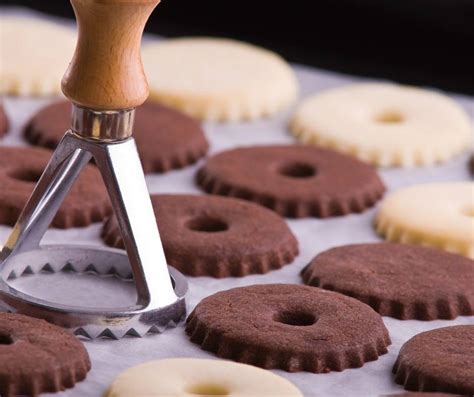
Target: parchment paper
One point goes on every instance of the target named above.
(109, 358)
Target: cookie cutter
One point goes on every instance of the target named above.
(105, 136)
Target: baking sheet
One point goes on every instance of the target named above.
(109, 358)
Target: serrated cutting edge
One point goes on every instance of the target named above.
(116, 333)
(111, 324)
(91, 332)
(48, 268)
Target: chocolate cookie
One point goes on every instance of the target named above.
(20, 169)
(216, 236)
(166, 139)
(295, 181)
(438, 360)
(398, 280)
(291, 327)
(3, 121)
(38, 357)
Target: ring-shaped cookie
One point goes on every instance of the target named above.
(166, 139)
(385, 124)
(287, 326)
(20, 169)
(38, 357)
(398, 280)
(199, 377)
(216, 236)
(438, 360)
(295, 181)
(438, 214)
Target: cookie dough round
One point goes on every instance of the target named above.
(290, 327)
(218, 79)
(398, 280)
(35, 55)
(294, 180)
(192, 376)
(21, 168)
(439, 215)
(38, 357)
(216, 236)
(438, 360)
(385, 124)
(166, 139)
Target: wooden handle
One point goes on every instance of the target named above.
(106, 72)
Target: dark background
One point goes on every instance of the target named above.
(422, 42)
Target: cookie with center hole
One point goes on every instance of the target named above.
(20, 170)
(290, 327)
(166, 139)
(398, 280)
(295, 181)
(199, 377)
(38, 357)
(440, 215)
(438, 360)
(4, 124)
(385, 124)
(216, 236)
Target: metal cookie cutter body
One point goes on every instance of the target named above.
(160, 290)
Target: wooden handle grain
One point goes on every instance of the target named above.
(106, 72)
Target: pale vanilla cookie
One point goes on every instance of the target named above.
(199, 377)
(34, 55)
(218, 79)
(439, 215)
(385, 124)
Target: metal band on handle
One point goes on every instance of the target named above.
(102, 125)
